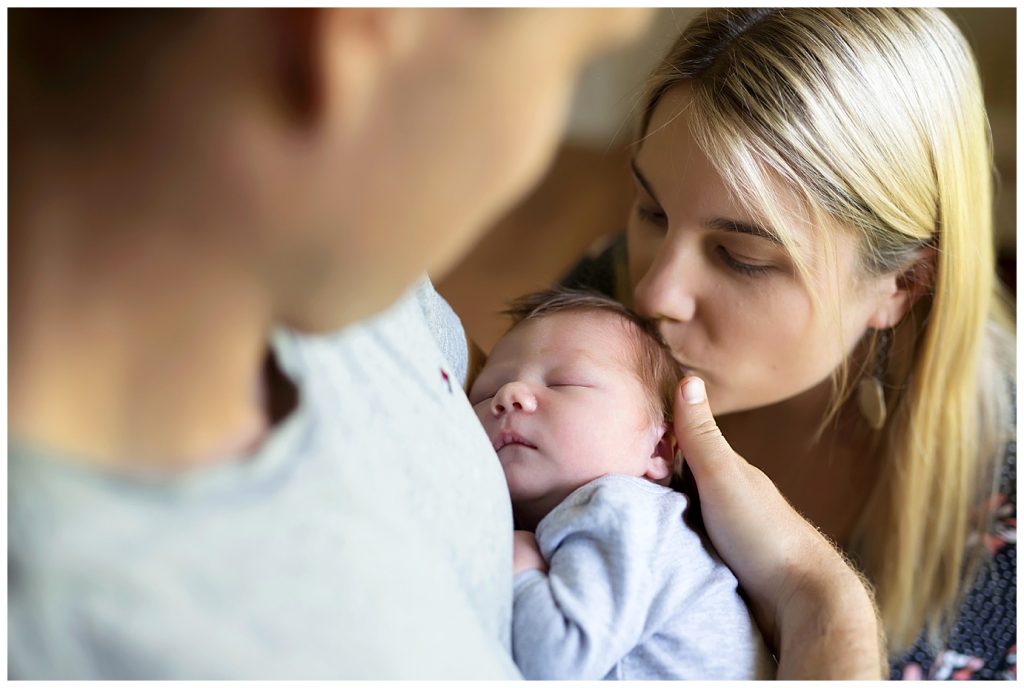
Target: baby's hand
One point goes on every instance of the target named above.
(526, 553)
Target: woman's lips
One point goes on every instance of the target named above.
(507, 437)
(685, 368)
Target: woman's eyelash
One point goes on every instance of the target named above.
(649, 215)
(740, 266)
(657, 217)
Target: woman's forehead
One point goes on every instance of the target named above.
(685, 179)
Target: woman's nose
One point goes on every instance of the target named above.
(668, 289)
(513, 396)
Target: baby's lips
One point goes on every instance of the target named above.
(507, 437)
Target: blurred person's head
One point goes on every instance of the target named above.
(335, 154)
(808, 179)
(578, 388)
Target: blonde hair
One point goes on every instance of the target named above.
(875, 118)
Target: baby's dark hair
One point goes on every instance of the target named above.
(656, 369)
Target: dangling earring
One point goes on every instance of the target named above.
(870, 393)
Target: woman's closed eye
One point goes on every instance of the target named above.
(741, 266)
(657, 219)
(652, 216)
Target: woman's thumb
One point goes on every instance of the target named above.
(701, 442)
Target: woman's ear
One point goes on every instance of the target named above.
(662, 458)
(331, 61)
(904, 288)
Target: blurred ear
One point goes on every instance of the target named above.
(332, 61)
(662, 458)
(902, 289)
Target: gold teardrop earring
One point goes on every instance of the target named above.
(870, 392)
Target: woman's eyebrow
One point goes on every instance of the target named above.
(719, 223)
(729, 225)
(642, 181)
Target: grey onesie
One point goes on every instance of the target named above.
(632, 593)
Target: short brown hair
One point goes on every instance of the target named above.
(655, 367)
(75, 73)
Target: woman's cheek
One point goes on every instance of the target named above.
(640, 252)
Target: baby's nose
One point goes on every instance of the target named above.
(513, 396)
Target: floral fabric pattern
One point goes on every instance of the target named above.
(983, 643)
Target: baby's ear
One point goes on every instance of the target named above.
(662, 458)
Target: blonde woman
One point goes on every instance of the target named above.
(812, 231)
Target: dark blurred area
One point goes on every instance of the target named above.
(992, 33)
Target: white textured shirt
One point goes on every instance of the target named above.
(369, 537)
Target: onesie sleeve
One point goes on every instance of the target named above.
(582, 617)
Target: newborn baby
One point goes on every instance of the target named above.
(576, 400)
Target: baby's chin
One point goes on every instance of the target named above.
(522, 491)
(537, 499)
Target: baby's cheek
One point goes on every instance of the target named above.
(609, 443)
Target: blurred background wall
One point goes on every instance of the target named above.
(586, 195)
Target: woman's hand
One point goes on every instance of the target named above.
(525, 553)
(814, 609)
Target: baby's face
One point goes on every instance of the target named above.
(562, 405)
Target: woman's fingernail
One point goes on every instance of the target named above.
(693, 390)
